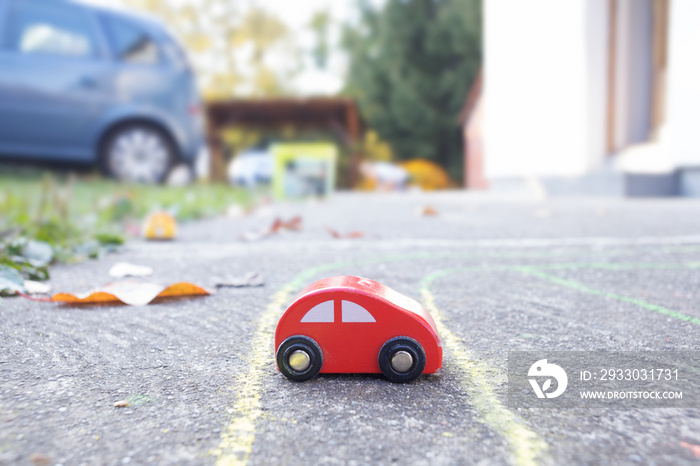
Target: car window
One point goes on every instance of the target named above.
(353, 312)
(50, 29)
(175, 53)
(130, 43)
(320, 313)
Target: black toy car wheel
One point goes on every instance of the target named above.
(299, 358)
(402, 359)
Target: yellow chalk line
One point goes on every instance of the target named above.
(238, 437)
(478, 380)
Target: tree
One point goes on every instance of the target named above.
(235, 51)
(267, 39)
(320, 26)
(411, 65)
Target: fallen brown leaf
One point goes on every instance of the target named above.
(293, 224)
(39, 459)
(428, 211)
(134, 293)
(159, 226)
(695, 449)
(352, 234)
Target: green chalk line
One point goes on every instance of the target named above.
(237, 439)
(574, 285)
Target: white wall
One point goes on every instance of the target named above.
(682, 129)
(544, 87)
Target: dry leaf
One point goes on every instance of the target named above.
(125, 269)
(40, 459)
(352, 234)
(293, 224)
(34, 287)
(427, 211)
(695, 449)
(121, 404)
(251, 279)
(133, 293)
(159, 226)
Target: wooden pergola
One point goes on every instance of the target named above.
(335, 114)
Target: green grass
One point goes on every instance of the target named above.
(77, 216)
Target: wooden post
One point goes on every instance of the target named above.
(660, 57)
(353, 125)
(217, 164)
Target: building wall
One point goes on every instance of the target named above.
(544, 87)
(633, 73)
(682, 129)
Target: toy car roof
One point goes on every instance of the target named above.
(369, 288)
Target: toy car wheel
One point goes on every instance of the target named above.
(402, 359)
(299, 358)
(137, 153)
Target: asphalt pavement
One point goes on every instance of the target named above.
(499, 274)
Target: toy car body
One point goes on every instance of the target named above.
(350, 324)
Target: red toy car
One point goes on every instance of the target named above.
(355, 325)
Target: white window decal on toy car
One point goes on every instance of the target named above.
(320, 313)
(355, 313)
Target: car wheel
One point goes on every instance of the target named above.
(402, 359)
(299, 358)
(138, 153)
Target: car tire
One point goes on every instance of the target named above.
(401, 348)
(138, 152)
(299, 346)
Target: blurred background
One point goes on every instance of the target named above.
(231, 101)
(171, 91)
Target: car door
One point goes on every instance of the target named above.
(358, 335)
(54, 79)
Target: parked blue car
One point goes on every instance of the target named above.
(83, 83)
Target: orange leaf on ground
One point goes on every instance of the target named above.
(134, 293)
(293, 224)
(352, 234)
(428, 211)
(693, 448)
(159, 226)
